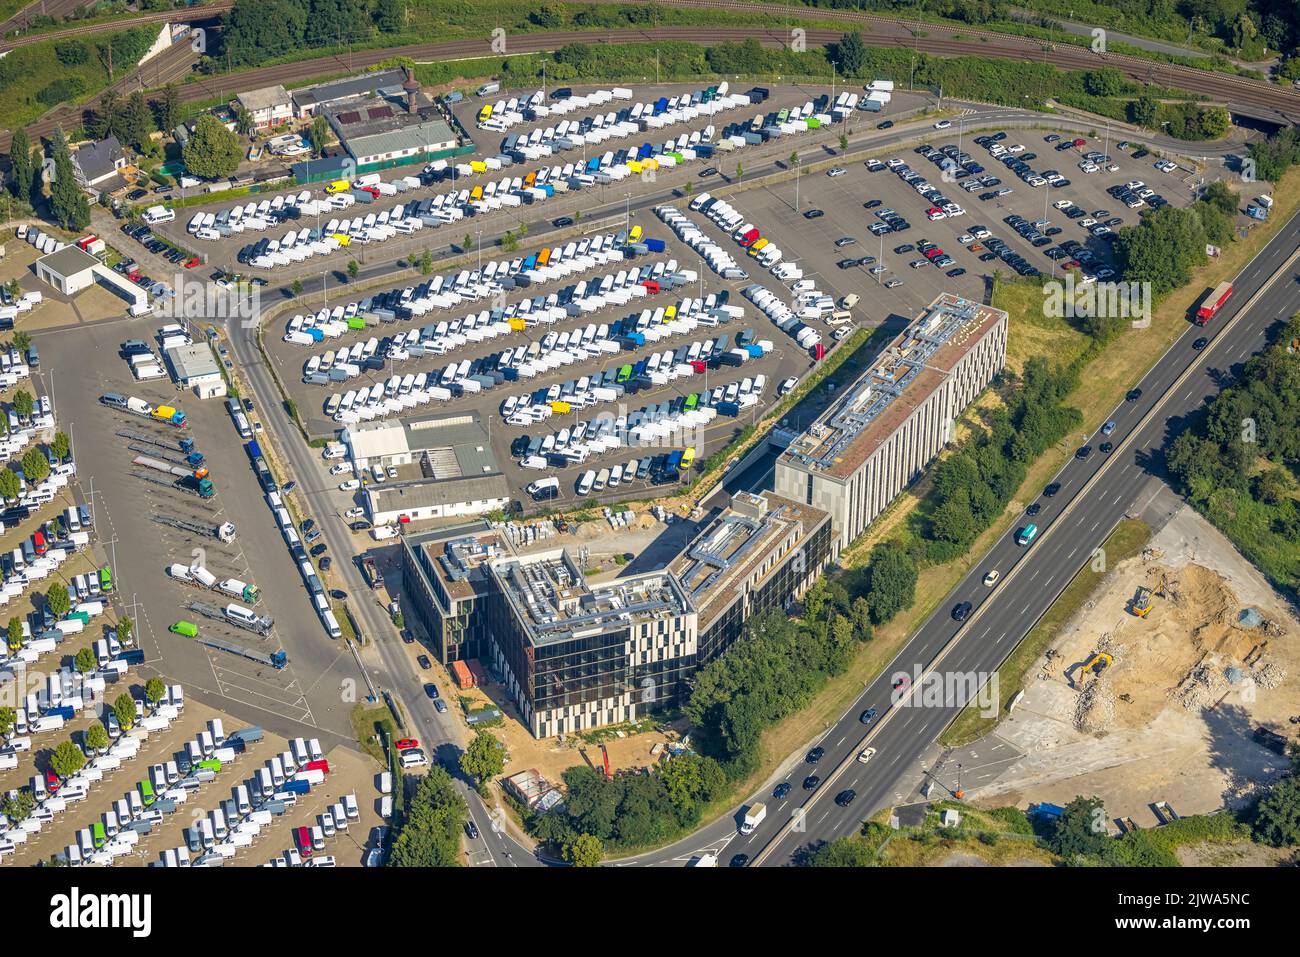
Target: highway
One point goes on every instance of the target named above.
(1095, 495)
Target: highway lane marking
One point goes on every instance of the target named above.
(1000, 637)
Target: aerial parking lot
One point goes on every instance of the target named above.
(592, 359)
(662, 342)
(155, 524)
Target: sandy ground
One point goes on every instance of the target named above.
(1171, 719)
(350, 773)
(552, 756)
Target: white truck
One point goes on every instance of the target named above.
(754, 816)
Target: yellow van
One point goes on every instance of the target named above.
(338, 186)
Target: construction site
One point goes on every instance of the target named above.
(1170, 692)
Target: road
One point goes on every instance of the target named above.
(384, 660)
(1095, 495)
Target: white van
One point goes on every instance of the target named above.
(487, 89)
(158, 214)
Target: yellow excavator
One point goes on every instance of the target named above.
(1142, 600)
(1098, 663)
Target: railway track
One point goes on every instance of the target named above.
(1252, 97)
(206, 12)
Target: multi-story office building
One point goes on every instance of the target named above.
(447, 583)
(889, 424)
(761, 553)
(575, 655)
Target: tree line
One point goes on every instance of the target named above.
(255, 31)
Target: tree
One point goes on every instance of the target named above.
(212, 151)
(85, 661)
(68, 204)
(483, 759)
(138, 121)
(22, 340)
(1277, 816)
(354, 269)
(57, 600)
(20, 163)
(124, 711)
(466, 243)
(794, 158)
(243, 120)
(428, 834)
(390, 15)
(8, 718)
(850, 53)
(14, 634)
(18, 806)
(169, 108)
(67, 760)
(9, 485)
(548, 16)
(319, 134)
(124, 628)
(585, 850)
(96, 737)
(1080, 830)
(844, 143)
(154, 689)
(1105, 82)
(36, 467)
(60, 446)
(296, 287)
(740, 171)
(1143, 111)
(893, 581)
(24, 404)
(426, 263)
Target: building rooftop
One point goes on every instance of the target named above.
(68, 261)
(423, 493)
(99, 159)
(553, 600)
(451, 446)
(193, 362)
(265, 98)
(354, 86)
(373, 126)
(904, 375)
(750, 534)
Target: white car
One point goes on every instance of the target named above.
(867, 755)
(351, 485)
(836, 171)
(355, 512)
(991, 578)
(841, 333)
(1017, 148)
(787, 385)
(343, 468)
(943, 124)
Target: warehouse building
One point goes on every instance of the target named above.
(374, 130)
(70, 270)
(888, 425)
(761, 554)
(308, 100)
(444, 468)
(194, 368)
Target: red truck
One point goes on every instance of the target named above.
(1213, 302)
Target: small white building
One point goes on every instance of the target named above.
(195, 368)
(70, 270)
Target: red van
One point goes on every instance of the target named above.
(302, 837)
(39, 543)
